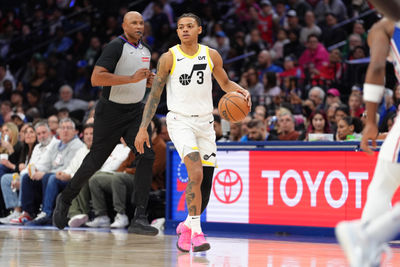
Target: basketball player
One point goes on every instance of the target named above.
(363, 241)
(186, 70)
(123, 71)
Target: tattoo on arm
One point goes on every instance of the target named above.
(154, 97)
(194, 156)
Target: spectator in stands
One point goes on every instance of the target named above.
(332, 96)
(235, 131)
(293, 22)
(249, 80)
(244, 129)
(314, 56)
(61, 177)
(356, 105)
(396, 96)
(354, 40)
(258, 132)
(53, 124)
(164, 131)
(34, 103)
(265, 64)
(219, 136)
(5, 74)
(317, 95)
(17, 101)
(18, 119)
(61, 44)
(280, 10)
(10, 183)
(254, 43)
(286, 127)
(331, 33)
(94, 51)
(80, 206)
(345, 129)
(309, 28)
(270, 90)
(301, 7)
(39, 80)
(318, 123)
(281, 40)
(387, 105)
(335, 6)
(8, 88)
(290, 68)
(5, 112)
(387, 122)
(266, 22)
(39, 182)
(221, 44)
(332, 72)
(66, 100)
(294, 47)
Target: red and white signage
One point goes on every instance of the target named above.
(300, 188)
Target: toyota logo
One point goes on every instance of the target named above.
(227, 186)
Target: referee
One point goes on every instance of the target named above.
(123, 71)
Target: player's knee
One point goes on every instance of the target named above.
(196, 176)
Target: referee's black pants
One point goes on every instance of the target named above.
(111, 122)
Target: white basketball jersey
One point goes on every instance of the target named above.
(395, 49)
(189, 85)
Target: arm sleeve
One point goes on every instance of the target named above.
(110, 55)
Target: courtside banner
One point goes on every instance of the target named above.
(308, 188)
(294, 188)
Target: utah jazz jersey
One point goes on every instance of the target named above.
(189, 85)
(395, 49)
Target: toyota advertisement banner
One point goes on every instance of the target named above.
(296, 188)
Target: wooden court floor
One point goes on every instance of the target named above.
(49, 247)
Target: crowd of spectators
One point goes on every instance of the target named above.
(303, 61)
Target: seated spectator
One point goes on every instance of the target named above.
(18, 119)
(270, 90)
(5, 112)
(346, 129)
(12, 199)
(341, 112)
(53, 124)
(80, 206)
(265, 64)
(317, 95)
(318, 123)
(235, 131)
(249, 81)
(66, 100)
(10, 182)
(257, 131)
(62, 177)
(10, 148)
(294, 47)
(330, 73)
(277, 48)
(286, 129)
(5, 74)
(120, 184)
(41, 183)
(387, 105)
(331, 33)
(314, 56)
(332, 96)
(335, 6)
(310, 27)
(356, 105)
(290, 68)
(244, 128)
(219, 136)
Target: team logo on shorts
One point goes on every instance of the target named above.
(206, 157)
(185, 78)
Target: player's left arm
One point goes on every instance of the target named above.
(222, 78)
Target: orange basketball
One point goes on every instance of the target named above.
(233, 107)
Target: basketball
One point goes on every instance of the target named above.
(233, 107)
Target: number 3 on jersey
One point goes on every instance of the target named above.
(185, 79)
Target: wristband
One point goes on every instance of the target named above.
(373, 92)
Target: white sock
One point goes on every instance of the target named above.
(187, 222)
(384, 228)
(195, 223)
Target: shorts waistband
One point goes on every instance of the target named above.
(191, 115)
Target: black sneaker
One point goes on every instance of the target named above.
(60, 213)
(141, 226)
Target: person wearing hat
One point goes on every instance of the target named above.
(266, 20)
(332, 96)
(293, 21)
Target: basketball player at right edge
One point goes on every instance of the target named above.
(187, 69)
(364, 241)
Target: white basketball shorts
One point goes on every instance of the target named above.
(390, 149)
(193, 134)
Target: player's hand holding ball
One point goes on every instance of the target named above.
(234, 106)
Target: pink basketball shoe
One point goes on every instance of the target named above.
(199, 243)
(184, 235)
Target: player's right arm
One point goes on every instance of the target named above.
(164, 66)
(379, 43)
(103, 71)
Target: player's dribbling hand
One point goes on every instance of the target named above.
(370, 133)
(150, 79)
(141, 138)
(246, 95)
(140, 74)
